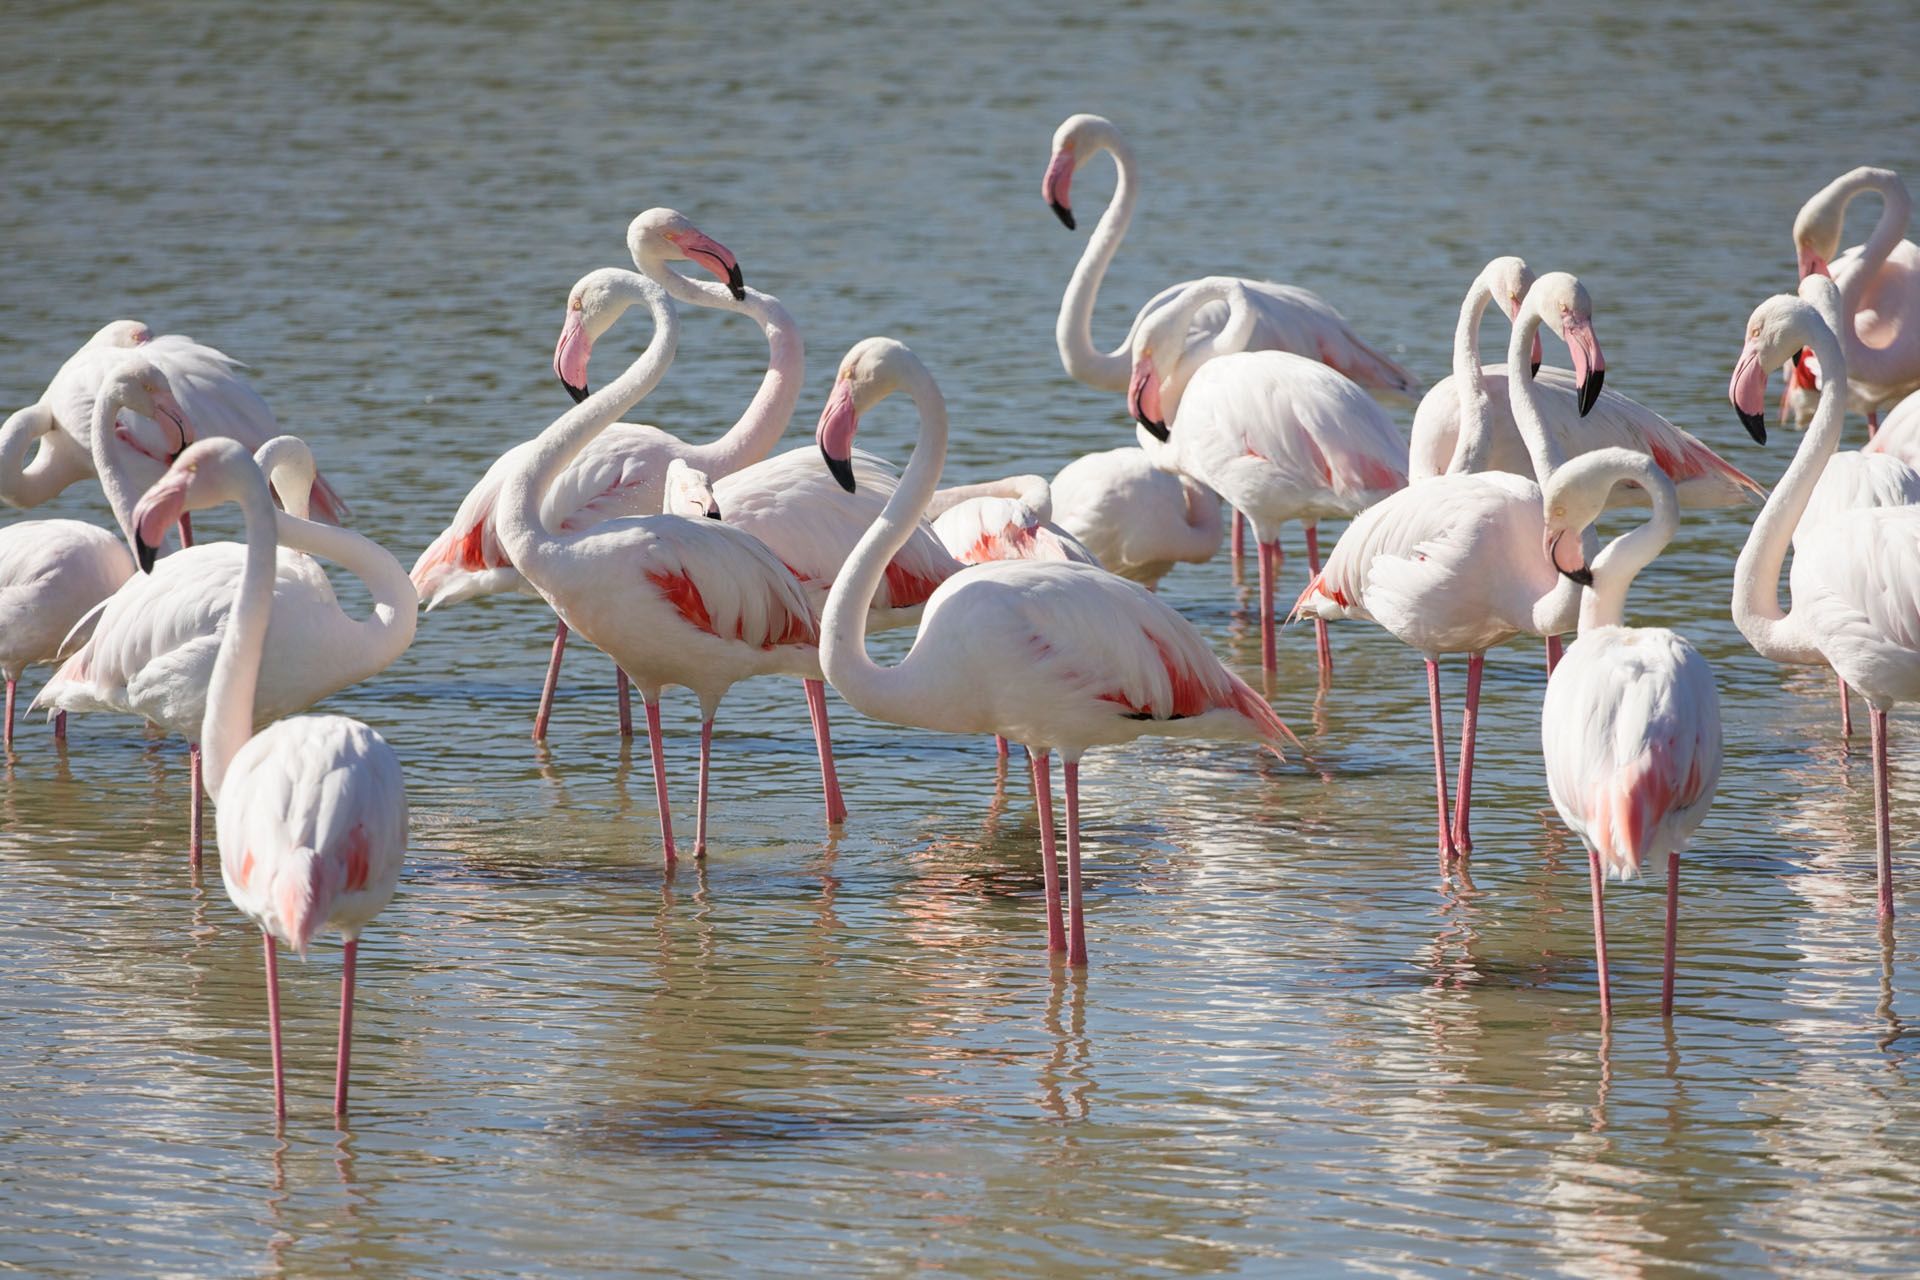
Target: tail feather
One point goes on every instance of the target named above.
(1273, 730)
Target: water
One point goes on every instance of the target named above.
(852, 1056)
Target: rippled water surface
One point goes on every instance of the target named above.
(851, 1055)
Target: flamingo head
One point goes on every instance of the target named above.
(666, 235)
(1075, 142)
(121, 333)
(1508, 279)
(1574, 498)
(139, 386)
(689, 492)
(596, 300)
(206, 474)
(1143, 393)
(869, 373)
(1562, 304)
(1776, 332)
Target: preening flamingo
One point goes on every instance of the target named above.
(1879, 285)
(1280, 437)
(1701, 477)
(1287, 318)
(1631, 723)
(1006, 519)
(622, 472)
(1054, 655)
(1854, 606)
(1139, 520)
(312, 811)
(1452, 564)
(672, 600)
(52, 572)
(152, 646)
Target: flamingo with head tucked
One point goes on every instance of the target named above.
(1136, 518)
(1005, 519)
(1055, 655)
(52, 573)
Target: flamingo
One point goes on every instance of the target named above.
(52, 573)
(1280, 437)
(1853, 602)
(1631, 723)
(622, 472)
(1701, 477)
(1879, 284)
(1137, 519)
(1452, 564)
(1006, 519)
(1052, 654)
(151, 648)
(312, 811)
(673, 600)
(1899, 433)
(1288, 318)
(208, 386)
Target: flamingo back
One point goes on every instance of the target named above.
(52, 574)
(1856, 584)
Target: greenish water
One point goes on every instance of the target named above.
(1292, 1052)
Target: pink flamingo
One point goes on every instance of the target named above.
(52, 573)
(1631, 723)
(1853, 605)
(1137, 519)
(312, 810)
(622, 472)
(1879, 285)
(149, 650)
(1899, 433)
(1054, 655)
(1286, 318)
(1006, 519)
(679, 601)
(1452, 564)
(1280, 437)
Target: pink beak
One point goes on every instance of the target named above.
(1812, 263)
(1748, 391)
(159, 510)
(571, 353)
(715, 257)
(1589, 366)
(1143, 398)
(168, 412)
(1057, 185)
(838, 423)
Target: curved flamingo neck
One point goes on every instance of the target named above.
(109, 461)
(56, 464)
(754, 435)
(228, 721)
(1073, 331)
(1172, 323)
(517, 521)
(1473, 445)
(385, 633)
(1033, 494)
(1872, 364)
(885, 693)
(1523, 394)
(1620, 561)
(1771, 631)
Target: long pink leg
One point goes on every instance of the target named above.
(186, 531)
(660, 780)
(194, 806)
(999, 747)
(553, 681)
(1469, 729)
(622, 687)
(700, 813)
(1239, 542)
(1554, 651)
(273, 1028)
(1673, 915)
(1319, 624)
(9, 739)
(59, 726)
(1076, 917)
(1269, 570)
(1846, 707)
(1049, 861)
(1882, 821)
(1599, 932)
(1873, 423)
(345, 1058)
(823, 747)
(1439, 767)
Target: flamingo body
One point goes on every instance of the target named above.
(52, 572)
(1137, 519)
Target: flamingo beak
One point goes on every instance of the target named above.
(715, 257)
(1057, 185)
(571, 353)
(1537, 353)
(1143, 398)
(1748, 391)
(166, 409)
(1812, 264)
(1589, 366)
(158, 510)
(1579, 573)
(838, 423)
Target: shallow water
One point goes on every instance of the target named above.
(852, 1055)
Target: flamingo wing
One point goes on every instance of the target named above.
(1856, 581)
(724, 581)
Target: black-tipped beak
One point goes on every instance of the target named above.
(713, 513)
(840, 469)
(1063, 213)
(578, 393)
(144, 554)
(736, 283)
(1583, 576)
(1755, 423)
(1157, 429)
(1536, 368)
(1590, 390)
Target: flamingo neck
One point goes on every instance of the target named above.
(1620, 561)
(1523, 394)
(885, 693)
(110, 462)
(228, 722)
(1032, 494)
(1176, 321)
(1869, 364)
(1473, 446)
(56, 464)
(753, 437)
(517, 522)
(385, 633)
(1073, 331)
(1771, 631)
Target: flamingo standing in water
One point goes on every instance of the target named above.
(673, 600)
(151, 647)
(1006, 519)
(313, 810)
(1452, 564)
(1631, 722)
(1280, 437)
(1853, 602)
(52, 573)
(1879, 285)
(1137, 519)
(1054, 655)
